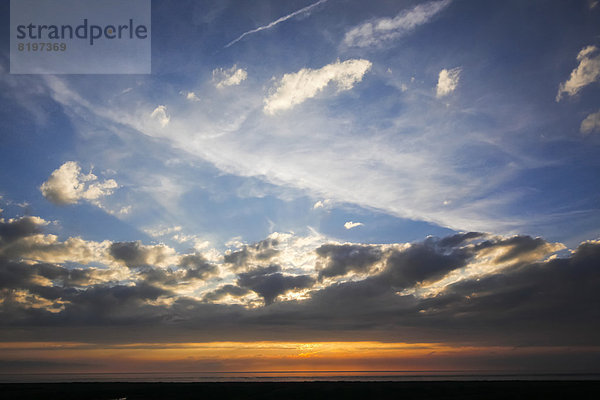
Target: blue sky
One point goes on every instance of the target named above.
(497, 154)
(359, 123)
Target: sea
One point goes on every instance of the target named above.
(297, 376)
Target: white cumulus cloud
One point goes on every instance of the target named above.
(229, 77)
(68, 185)
(588, 71)
(591, 123)
(350, 224)
(322, 204)
(191, 96)
(160, 114)
(447, 81)
(295, 88)
(384, 29)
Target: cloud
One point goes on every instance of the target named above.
(47, 280)
(40, 272)
(591, 123)
(15, 229)
(160, 115)
(125, 210)
(47, 248)
(419, 169)
(191, 96)
(224, 291)
(67, 185)
(508, 290)
(350, 224)
(544, 293)
(269, 282)
(587, 72)
(297, 87)
(517, 249)
(135, 254)
(29, 275)
(262, 251)
(447, 81)
(322, 204)
(346, 258)
(422, 262)
(195, 270)
(229, 77)
(277, 21)
(381, 30)
(197, 267)
(459, 239)
(161, 231)
(114, 303)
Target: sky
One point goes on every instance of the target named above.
(310, 185)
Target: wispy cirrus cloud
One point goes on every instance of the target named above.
(277, 21)
(394, 173)
(381, 30)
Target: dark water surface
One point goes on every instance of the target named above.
(286, 376)
(508, 389)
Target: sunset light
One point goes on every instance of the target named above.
(279, 191)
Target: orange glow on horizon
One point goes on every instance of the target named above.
(247, 357)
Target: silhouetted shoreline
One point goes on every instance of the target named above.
(307, 390)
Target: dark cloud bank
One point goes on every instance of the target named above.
(356, 292)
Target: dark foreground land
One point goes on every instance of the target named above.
(307, 390)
